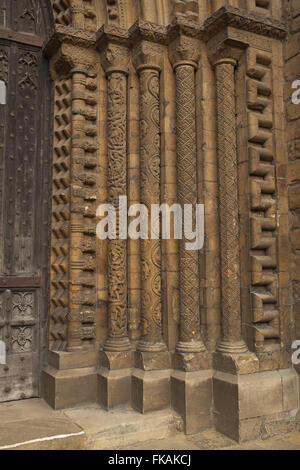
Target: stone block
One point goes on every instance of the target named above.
(150, 390)
(114, 387)
(244, 403)
(65, 388)
(191, 397)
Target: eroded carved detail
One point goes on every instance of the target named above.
(264, 289)
(3, 65)
(117, 186)
(228, 206)
(150, 154)
(27, 69)
(59, 274)
(187, 194)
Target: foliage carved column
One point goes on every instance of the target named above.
(114, 378)
(115, 61)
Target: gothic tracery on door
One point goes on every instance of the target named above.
(24, 194)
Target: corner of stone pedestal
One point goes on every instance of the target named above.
(150, 382)
(244, 363)
(114, 378)
(70, 378)
(191, 398)
(252, 404)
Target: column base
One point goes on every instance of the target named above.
(114, 378)
(70, 379)
(117, 344)
(192, 361)
(191, 397)
(150, 386)
(249, 404)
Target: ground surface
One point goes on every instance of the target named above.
(32, 424)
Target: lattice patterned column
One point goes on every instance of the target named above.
(191, 360)
(184, 56)
(228, 205)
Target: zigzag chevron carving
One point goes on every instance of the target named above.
(264, 289)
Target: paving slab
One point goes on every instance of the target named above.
(32, 424)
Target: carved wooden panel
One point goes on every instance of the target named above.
(25, 16)
(19, 324)
(24, 203)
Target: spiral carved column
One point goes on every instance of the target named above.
(152, 359)
(150, 194)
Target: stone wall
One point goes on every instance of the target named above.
(292, 73)
(174, 101)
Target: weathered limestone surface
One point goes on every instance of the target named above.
(176, 101)
(292, 140)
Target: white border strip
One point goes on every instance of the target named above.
(43, 439)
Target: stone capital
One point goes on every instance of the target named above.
(147, 31)
(112, 43)
(224, 50)
(115, 58)
(147, 55)
(184, 50)
(70, 59)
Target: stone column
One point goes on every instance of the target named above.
(185, 62)
(151, 352)
(75, 331)
(234, 364)
(77, 14)
(150, 194)
(190, 356)
(117, 186)
(70, 376)
(116, 358)
(231, 341)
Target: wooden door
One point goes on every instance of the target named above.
(25, 117)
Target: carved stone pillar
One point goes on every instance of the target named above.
(231, 341)
(190, 355)
(114, 377)
(117, 186)
(65, 383)
(150, 153)
(150, 194)
(74, 340)
(184, 55)
(151, 352)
